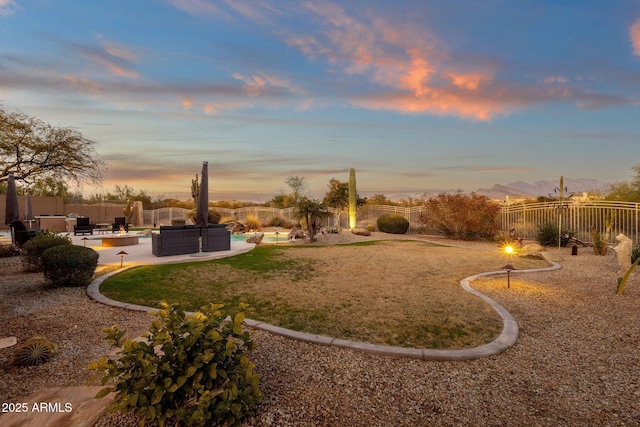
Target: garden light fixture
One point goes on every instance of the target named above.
(122, 254)
(509, 268)
(84, 241)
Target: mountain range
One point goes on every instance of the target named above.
(544, 188)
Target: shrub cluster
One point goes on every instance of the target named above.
(190, 370)
(462, 216)
(252, 222)
(548, 235)
(7, 251)
(69, 265)
(393, 223)
(33, 249)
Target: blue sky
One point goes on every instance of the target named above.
(415, 95)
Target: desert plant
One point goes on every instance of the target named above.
(462, 216)
(393, 223)
(371, 227)
(311, 213)
(178, 221)
(635, 254)
(69, 265)
(353, 198)
(252, 222)
(33, 249)
(276, 221)
(623, 280)
(7, 251)
(226, 220)
(189, 370)
(548, 235)
(35, 351)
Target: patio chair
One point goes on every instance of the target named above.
(82, 226)
(21, 234)
(118, 222)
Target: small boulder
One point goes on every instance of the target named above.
(255, 238)
(361, 232)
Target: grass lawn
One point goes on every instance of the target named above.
(398, 292)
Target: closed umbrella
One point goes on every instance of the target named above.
(202, 212)
(12, 213)
(28, 216)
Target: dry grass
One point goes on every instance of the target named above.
(402, 293)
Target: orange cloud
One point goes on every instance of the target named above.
(404, 58)
(634, 33)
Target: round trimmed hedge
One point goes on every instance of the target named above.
(33, 249)
(393, 223)
(69, 265)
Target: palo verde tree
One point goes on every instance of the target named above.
(36, 151)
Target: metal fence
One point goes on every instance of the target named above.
(577, 217)
(572, 216)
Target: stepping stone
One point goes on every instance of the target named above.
(59, 407)
(8, 342)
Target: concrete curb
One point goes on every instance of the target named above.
(506, 339)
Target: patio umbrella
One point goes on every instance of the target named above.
(12, 213)
(202, 212)
(28, 216)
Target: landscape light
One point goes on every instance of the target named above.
(277, 233)
(122, 254)
(84, 241)
(508, 249)
(508, 267)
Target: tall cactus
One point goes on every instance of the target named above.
(127, 211)
(195, 190)
(352, 198)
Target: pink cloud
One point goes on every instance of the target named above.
(634, 33)
(6, 7)
(410, 61)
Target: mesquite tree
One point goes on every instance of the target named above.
(36, 151)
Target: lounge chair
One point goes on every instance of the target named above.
(82, 226)
(22, 234)
(118, 222)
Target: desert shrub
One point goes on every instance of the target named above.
(69, 265)
(393, 223)
(548, 235)
(7, 251)
(33, 249)
(252, 222)
(178, 221)
(226, 220)
(213, 217)
(276, 221)
(462, 216)
(371, 227)
(288, 224)
(635, 254)
(189, 370)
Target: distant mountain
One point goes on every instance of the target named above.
(544, 188)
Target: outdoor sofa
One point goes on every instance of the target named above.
(183, 239)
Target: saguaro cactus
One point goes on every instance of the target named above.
(352, 198)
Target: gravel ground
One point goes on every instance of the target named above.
(576, 363)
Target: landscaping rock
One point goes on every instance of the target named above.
(255, 238)
(361, 232)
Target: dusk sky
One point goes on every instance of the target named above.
(415, 95)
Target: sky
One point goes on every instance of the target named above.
(416, 95)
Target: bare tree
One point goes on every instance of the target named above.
(34, 150)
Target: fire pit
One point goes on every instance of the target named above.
(120, 240)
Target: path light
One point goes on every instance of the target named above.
(277, 233)
(122, 254)
(508, 250)
(84, 241)
(509, 268)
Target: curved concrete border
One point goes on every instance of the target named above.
(505, 340)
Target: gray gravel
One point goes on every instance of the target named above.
(576, 363)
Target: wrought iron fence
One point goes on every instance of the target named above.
(573, 216)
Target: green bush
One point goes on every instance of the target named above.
(189, 370)
(393, 223)
(276, 221)
(548, 235)
(69, 265)
(33, 249)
